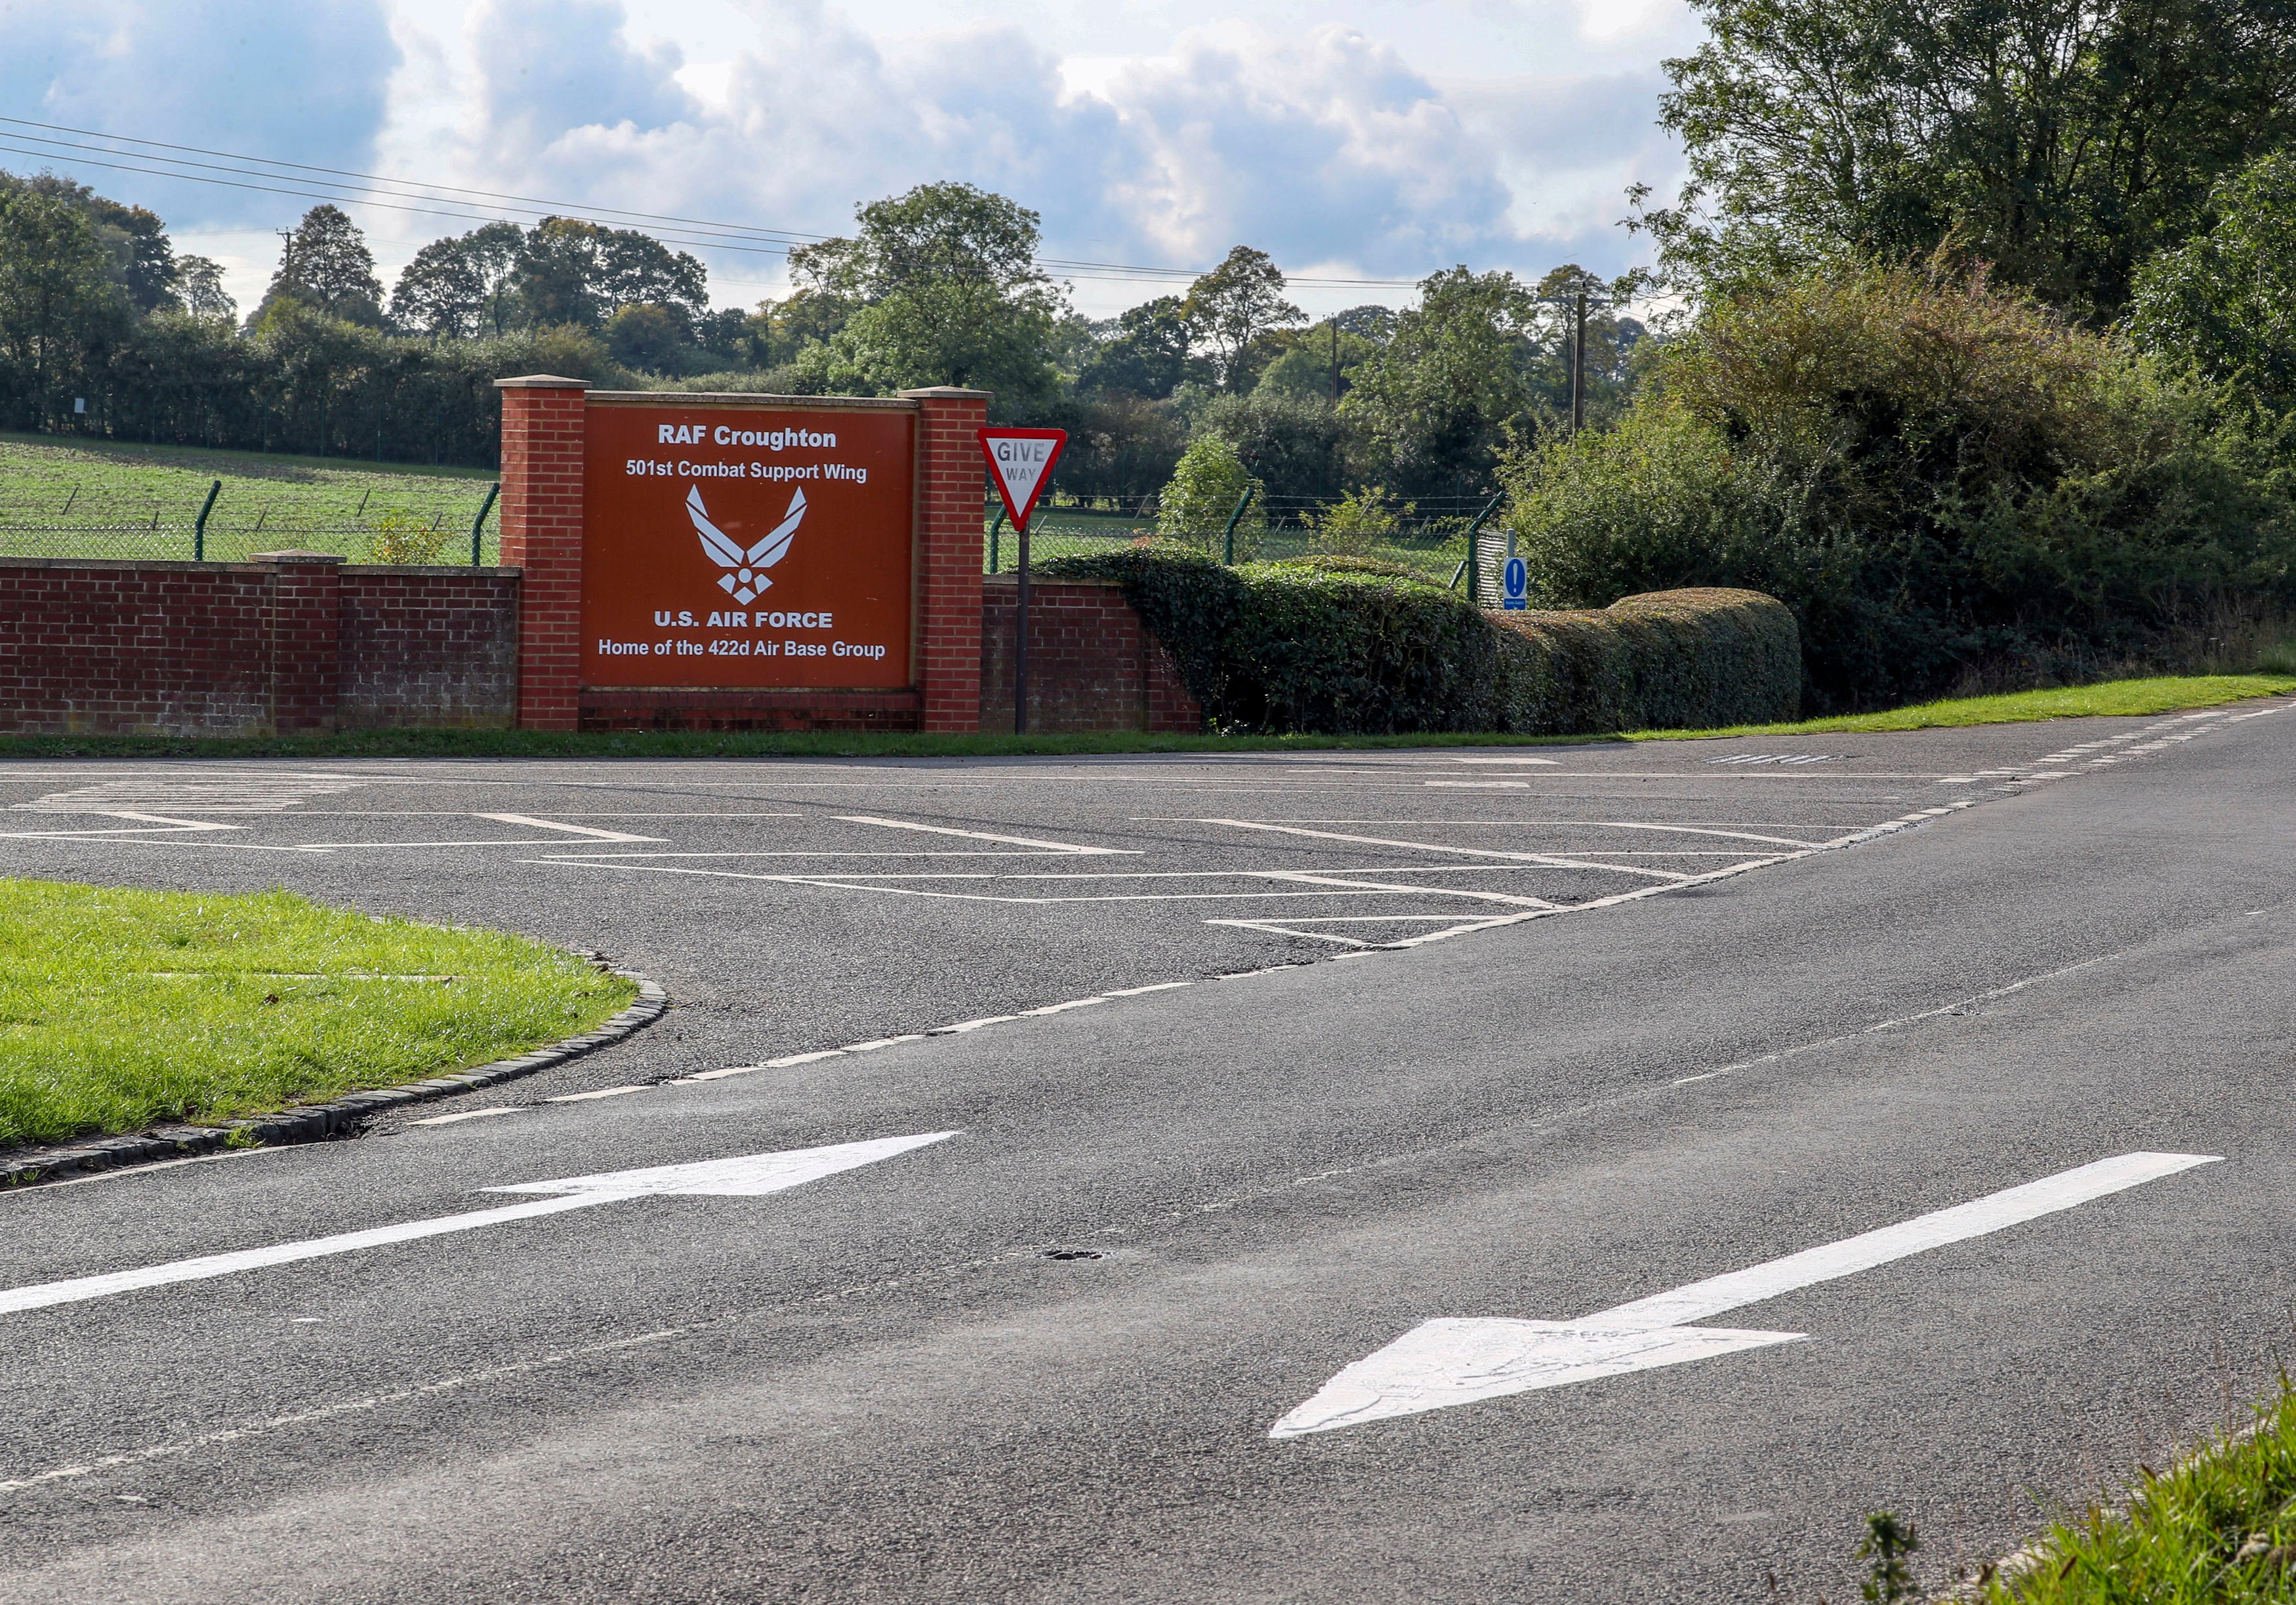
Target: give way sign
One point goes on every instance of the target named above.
(1023, 461)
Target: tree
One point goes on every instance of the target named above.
(650, 336)
(325, 263)
(2063, 140)
(57, 297)
(2224, 304)
(579, 273)
(945, 289)
(142, 258)
(462, 287)
(199, 285)
(1235, 304)
(1318, 365)
(1441, 399)
(1144, 352)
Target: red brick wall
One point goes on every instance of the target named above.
(951, 479)
(428, 648)
(291, 642)
(542, 434)
(1092, 664)
(164, 648)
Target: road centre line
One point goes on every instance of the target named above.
(1640, 893)
(1958, 1006)
(1528, 858)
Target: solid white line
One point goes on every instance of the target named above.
(1548, 859)
(1864, 1252)
(983, 836)
(580, 830)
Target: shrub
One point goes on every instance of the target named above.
(1672, 660)
(406, 537)
(1358, 520)
(1938, 478)
(1205, 488)
(1344, 645)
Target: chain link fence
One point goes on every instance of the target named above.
(429, 521)
(1430, 537)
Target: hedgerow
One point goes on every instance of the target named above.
(1339, 645)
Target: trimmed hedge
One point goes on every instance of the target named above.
(1677, 660)
(1342, 646)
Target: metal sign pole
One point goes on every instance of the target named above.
(1020, 641)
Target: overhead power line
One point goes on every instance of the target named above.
(56, 142)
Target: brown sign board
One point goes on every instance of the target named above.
(747, 546)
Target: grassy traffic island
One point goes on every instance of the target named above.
(123, 1009)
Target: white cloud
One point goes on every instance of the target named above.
(1391, 141)
(287, 78)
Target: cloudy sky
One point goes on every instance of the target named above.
(1353, 139)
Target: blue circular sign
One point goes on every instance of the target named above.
(1517, 577)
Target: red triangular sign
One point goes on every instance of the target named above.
(1021, 461)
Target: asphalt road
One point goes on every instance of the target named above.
(1667, 1016)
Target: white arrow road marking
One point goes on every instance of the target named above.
(1452, 1362)
(749, 1176)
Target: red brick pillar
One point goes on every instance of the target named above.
(542, 443)
(951, 477)
(307, 626)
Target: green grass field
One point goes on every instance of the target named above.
(2127, 698)
(2131, 697)
(125, 1009)
(110, 499)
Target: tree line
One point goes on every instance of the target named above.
(105, 330)
(1984, 361)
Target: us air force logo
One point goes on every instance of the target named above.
(741, 577)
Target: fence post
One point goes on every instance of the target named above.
(1237, 518)
(199, 529)
(994, 527)
(480, 523)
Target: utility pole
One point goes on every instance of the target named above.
(1578, 365)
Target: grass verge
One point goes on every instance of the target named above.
(2126, 698)
(2121, 697)
(124, 1009)
(2219, 1527)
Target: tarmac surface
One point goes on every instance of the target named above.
(1328, 1046)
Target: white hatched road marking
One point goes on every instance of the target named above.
(196, 792)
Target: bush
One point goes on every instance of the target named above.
(1205, 488)
(1943, 482)
(1691, 660)
(1341, 645)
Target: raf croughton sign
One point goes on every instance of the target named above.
(745, 547)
